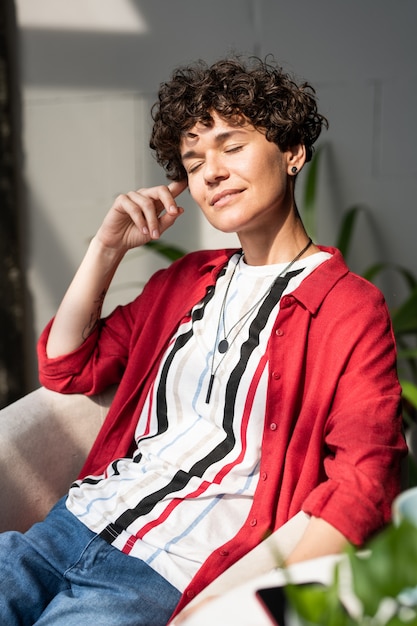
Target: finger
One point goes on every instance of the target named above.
(149, 207)
(177, 187)
(153, 201)
(162, 204)
(165, 195)
(130, 205)
(167, 219)
(174, 189)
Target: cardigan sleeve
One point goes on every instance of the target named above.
(102, 358)
(98, 363)
(362, 437)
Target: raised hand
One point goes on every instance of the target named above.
(139, 216)
(134, 219)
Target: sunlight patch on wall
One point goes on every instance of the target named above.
(121, 16)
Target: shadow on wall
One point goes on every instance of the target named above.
(74, 48)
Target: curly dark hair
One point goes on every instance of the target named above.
(249, 90)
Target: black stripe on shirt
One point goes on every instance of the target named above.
(181, 478)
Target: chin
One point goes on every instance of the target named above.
(226, 225)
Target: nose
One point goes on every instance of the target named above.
(215, 169)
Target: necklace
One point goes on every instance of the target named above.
(224, 344)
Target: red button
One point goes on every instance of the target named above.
(273, 426)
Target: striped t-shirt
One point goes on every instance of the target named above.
(189, 486)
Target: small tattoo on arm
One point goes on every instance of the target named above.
(94, 317)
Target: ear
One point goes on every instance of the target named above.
(296, 157)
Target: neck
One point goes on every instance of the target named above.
(269, 249)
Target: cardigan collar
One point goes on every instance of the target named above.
(311, 292)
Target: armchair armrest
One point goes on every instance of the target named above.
(44, 440)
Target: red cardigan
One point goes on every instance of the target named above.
(332, 441)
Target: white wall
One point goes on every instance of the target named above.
(87, 88)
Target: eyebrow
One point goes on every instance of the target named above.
(219, 139)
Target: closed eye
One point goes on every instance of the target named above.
(234, 148)
(194, 167)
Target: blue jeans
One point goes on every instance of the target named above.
(60, 573)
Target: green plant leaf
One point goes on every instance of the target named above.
(169, 251)
(407, 353)
(372, 272)
(316, 604)
(388, 568)
(404, 319)
(402, 621)
(347, 228)
(385, 569)
(408, 276)
(409, 393)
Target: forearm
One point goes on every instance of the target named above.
(132, 221)
(319, 539)
(81, 306)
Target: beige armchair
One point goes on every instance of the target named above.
(44, 440)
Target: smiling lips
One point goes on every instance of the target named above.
(222, 198)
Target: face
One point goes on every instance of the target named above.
(238, 178)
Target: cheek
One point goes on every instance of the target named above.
(196, 190)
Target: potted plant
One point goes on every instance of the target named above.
(376, 586)
(404, 315)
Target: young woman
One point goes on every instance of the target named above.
(253, 383)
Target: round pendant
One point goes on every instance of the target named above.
(223, 346)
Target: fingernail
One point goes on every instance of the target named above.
(173, 209)
(145, 230)
(155, 234)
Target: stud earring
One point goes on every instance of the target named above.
(294, 169)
